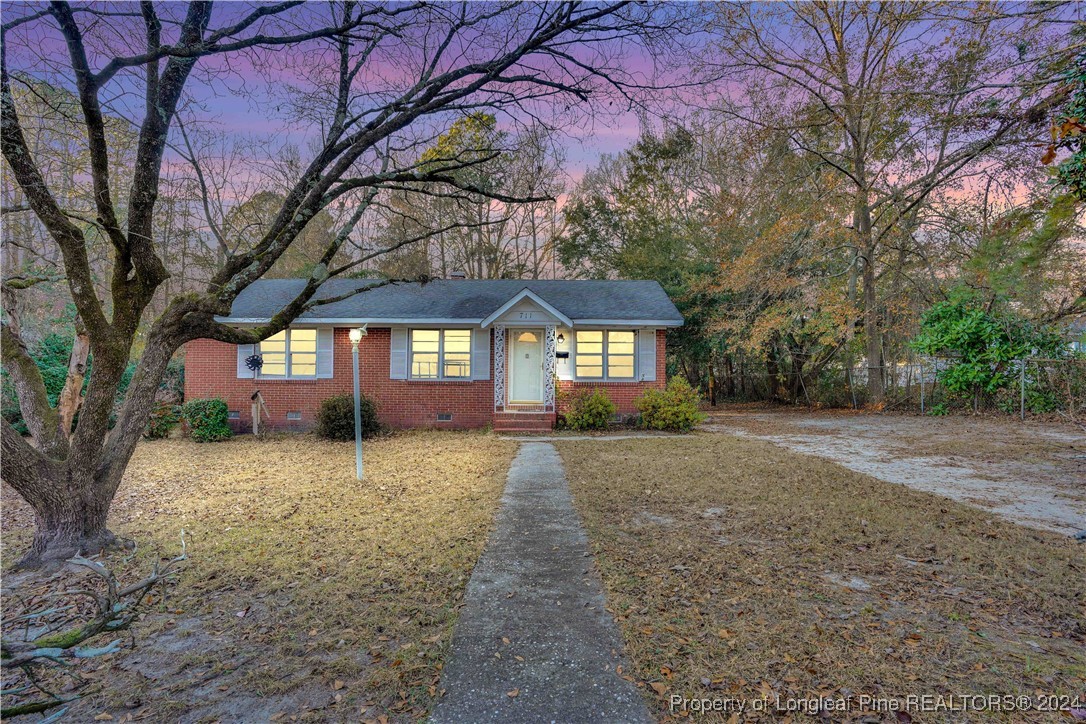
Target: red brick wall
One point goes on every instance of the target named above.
(211, 371)
(624, 394)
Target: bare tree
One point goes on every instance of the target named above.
(382, 77)
(899, 99)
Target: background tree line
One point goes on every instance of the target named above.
(858, 165)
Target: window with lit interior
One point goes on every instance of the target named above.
(290, 353)
(605, 354)
(441, 354)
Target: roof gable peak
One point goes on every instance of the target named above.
(520, 296)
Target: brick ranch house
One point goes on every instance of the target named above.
(452, 353)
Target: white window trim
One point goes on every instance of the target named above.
(288, 362)
(605, 378)
(441, 355)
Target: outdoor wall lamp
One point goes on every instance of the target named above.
(561, 339)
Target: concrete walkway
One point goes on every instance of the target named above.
(534, 642)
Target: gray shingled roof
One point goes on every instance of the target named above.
(468, 299)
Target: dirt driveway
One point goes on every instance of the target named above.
(1031, 473)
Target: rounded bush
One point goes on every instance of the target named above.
(208, 420)
(589, 410)
(335, 420)
(164, 418)
(674, 408)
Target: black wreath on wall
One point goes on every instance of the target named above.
(254, 362)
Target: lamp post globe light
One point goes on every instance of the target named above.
(356, 334)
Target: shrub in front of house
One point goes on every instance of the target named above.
(335, 420)
(674, 408)
(589, 410)
(164, 418)
(208, 420)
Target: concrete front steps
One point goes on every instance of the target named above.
(524, 421)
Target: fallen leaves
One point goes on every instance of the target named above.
(948, 586)
(354, 591)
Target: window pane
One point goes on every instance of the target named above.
(424, 365)
(620, 343)
(303, 364)
(588, 360)
(425, 340)
(457, 365)
(274, 343)
(457, 340)
(590, 343)
(620, 366)
(588, 370)
(275, 364)
(303, 340)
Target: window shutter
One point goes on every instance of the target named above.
(397, 359)
(244, 350)
(646, 354)
(325, 335)
(480, 354)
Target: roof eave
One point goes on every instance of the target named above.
(451, 320)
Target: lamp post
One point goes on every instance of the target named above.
(356, 335)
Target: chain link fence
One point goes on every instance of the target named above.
(1037, 387)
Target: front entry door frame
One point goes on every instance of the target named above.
(516, 364)
(503, 348)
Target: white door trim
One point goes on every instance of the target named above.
(513, 363)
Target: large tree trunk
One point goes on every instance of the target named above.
(778, 392)
(70, 503)
(71, 497)
(876, 388)
(872, 330)
(70, 516)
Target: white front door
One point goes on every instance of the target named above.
(526, 365)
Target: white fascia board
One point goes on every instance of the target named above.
(351, 321)
(410, 321)
(628, 323)
(525, 293)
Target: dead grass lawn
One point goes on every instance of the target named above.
(308, 595)
(737, 568)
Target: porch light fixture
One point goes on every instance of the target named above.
(356, 334)
(561, 339)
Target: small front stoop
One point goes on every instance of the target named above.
(521, 422)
